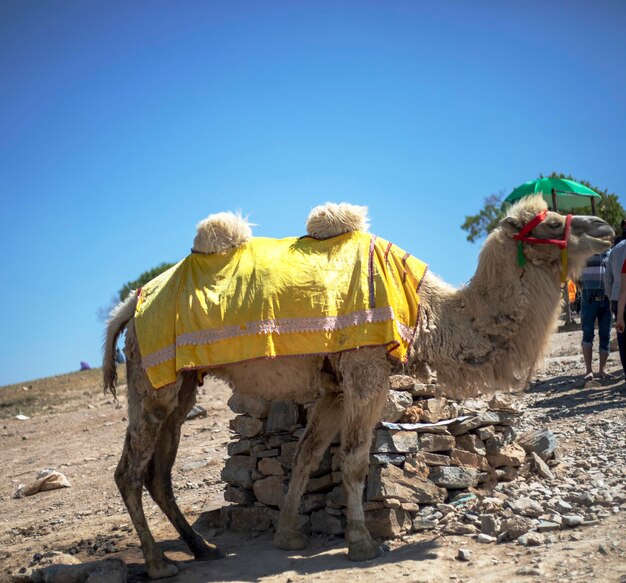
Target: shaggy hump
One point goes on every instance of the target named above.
(220, 232)
(330, 219)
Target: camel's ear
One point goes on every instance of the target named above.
(511, 224)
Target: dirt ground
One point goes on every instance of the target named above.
(75, 429)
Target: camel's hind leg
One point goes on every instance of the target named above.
(158, 476)
(365, 382)
(147, 410)
(141, 437)
(321, 429)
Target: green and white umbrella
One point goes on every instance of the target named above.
(560, 193)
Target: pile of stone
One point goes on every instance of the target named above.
(429, 459)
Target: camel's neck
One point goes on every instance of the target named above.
(492, 331)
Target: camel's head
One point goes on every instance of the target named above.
(543, 234)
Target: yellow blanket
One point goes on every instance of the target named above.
(278, 297)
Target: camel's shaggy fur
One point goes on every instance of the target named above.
(484, 336)
(330, 219)
(220, 232)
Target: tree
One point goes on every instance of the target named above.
(143, 279)
(486, 220)
(129, 286)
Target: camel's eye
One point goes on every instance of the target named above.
(554, 225)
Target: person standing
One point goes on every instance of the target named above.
(595, 306)
(613, 286)
(622, 235)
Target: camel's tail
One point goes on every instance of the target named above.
(330, 219)
(120, 316)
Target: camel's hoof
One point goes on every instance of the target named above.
(208, 552)
(290, 540)
(364, 550)
(162, 570)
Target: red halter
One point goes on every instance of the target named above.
(522, 237)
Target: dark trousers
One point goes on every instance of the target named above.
(621, 339)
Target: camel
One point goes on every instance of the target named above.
(486, 335)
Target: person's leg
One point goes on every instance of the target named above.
(604, 333)
(588, 321)
(621, 340)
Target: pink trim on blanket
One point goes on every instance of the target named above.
(167, 353)
(280, 326)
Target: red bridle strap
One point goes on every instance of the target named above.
(528, 227)
(522, 237)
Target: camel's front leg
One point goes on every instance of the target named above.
(366, 385)
(321, 429)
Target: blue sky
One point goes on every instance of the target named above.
(122, 124)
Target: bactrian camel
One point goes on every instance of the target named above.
(485, 335)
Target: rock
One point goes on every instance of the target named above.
(401, 382)
(248, 405)
(511, 455)
(540, 467)
(247, 426)
(483, 418)
(241, 496)
(312, 502)
(270, 466)
(433, 459)
(464, 555)
(526, 507)
(196, 412)
(573, 519)
(248, 519)
(420, 524)
(238, 471)
(392, 441)
(287, 453)
(104, 571)
(266, 453)
(485, 538)
(397, 459)
(503, 402)
(407, 485)
(453, 477)
(320, 484)
(322, 521)
(458, 528)
(485, 433)
(337, 496)
(506, 474)
(471, 443)
(282, 416)
(543, 442)
(424, 390)
(467, 458)
(489, 525)
(397, 402)
(431, 442)
(270, 491)
(387, 522)
(516, 526)
(531, 539)
(563, 507)
(547, 526)
(434, 409)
